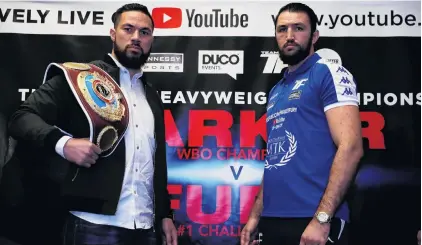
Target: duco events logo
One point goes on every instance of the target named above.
(217, 18)
(228, 62)
(167, 17)
(164, 62)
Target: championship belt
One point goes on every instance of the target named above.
(102, 101)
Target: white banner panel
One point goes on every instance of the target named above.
(359, 19)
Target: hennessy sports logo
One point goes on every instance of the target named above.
(164, 62)
(167, 17)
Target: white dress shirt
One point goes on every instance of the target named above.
(135, 207)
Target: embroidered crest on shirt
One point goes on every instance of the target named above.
(278, 147)
(295, 95)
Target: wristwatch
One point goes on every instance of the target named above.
(323, 217)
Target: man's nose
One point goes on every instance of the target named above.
(290, 34)
(136, 36)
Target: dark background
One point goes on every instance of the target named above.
(386, 199)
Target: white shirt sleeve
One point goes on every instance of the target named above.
(338, 87)
(60, 145)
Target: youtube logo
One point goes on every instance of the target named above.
(167, 17)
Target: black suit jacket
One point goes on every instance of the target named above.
(96, 189)
(3, 142)
(10, 174)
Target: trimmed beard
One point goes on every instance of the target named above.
(297, 57)
(132, 61)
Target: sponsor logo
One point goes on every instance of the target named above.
(273, 63)
(295, 95)
(164, 62)
(273, 97)
(270, 106)
(228, 62)
(329, 55)
(281, 112)
(284, 147)
(342, 69)
(299, 83)
(347, 91)
(345, 80)
(167, 17)
(217, 18)
(279, 120)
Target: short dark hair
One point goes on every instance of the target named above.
(130, 7)
(300, 7)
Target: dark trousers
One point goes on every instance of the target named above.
(80, 232)
(5, 241)
(288, 231)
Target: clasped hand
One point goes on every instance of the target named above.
(81, 152)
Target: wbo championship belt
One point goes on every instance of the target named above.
(101, 100)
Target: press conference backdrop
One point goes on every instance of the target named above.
(214, 64)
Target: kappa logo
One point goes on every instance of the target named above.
(345, 80)
(342, 69)
(347, 91)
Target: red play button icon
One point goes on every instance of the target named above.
(167, 17)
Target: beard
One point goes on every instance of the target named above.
(129, 59)
(296, 57)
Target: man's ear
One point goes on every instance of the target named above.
(113, 34)
(315, 37)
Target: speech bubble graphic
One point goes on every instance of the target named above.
(228, 62)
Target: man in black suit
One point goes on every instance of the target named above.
(93, 142)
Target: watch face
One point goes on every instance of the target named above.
(322, 217)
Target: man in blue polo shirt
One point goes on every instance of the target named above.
(314, 142)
